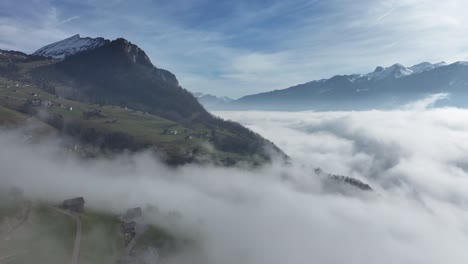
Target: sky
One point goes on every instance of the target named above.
(235, 48)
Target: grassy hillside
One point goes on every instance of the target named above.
(115, 114)
(41, 236)
(108, 127)
(37, 233)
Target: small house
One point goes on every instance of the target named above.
(74, 204)
(132, 214)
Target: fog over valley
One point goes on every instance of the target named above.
(413, 158)
(234, 132)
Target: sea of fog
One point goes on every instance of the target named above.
(415, 158)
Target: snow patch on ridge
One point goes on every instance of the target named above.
(70, 46)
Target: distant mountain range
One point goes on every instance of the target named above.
(212, 101)
(384, 88)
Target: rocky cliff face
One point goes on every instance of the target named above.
(133, 52)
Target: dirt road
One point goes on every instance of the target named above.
(76, 249)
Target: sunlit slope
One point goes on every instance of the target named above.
(110, 127)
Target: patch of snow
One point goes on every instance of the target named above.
(353, 78)
(70, 46)
(426, 66)
(463, 63)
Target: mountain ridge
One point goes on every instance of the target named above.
(210, 101)
(69, 46)
(384, 88)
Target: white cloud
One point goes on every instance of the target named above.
(426, 102)
(414, 159)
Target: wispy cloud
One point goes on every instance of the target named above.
(67, 20)
(386, 14)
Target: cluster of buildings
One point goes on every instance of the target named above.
(43, 103)
(170, 132)
(47, 103)
(128, 221)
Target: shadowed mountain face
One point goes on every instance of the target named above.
(384, 88)
(121, 73)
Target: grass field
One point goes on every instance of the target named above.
(145, 129)
(101, 242)
(48, 236)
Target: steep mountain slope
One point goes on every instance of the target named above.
(70, 46)
(121, 73)
(121, 101)
(384, 88)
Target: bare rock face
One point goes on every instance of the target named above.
(134, 53)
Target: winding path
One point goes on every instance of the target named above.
(76, 249)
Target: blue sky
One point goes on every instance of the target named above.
(236, 48)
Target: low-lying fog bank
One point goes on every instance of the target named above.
(416, 161)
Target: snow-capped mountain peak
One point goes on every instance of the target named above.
(426, 66)
(396, 71)
(463, 63)
(70, 46)
(211, 101)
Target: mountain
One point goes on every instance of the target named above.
(120, 73)
(211, 101)
(426, 66)
(384, 88)
(70, 46)
(394, 71)
(118, 100)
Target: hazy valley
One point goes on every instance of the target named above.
(252, 132)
